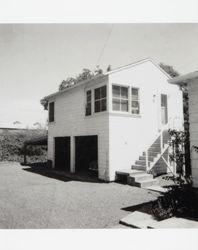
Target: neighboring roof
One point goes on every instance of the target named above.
(180, 80)
(108, 73)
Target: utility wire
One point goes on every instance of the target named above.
(105, 44)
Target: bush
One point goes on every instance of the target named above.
(179, 201)
(11, 145)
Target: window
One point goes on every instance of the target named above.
(100, 98)
(51, 112)
(120, 98)
(164, 109)
(88, 103)
(135, 102)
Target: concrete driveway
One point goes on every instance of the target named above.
(31, 200)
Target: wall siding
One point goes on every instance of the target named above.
(70, 120)
(121, 137)
(193, 117)
(130, 135)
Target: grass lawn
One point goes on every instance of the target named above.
(31, 200)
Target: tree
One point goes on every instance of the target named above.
(109, 68)
(85, 75)
(169, 70)
(70, 81)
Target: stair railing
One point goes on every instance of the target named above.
(160, 135)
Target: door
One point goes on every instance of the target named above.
(86, 153)
(164, 109)
(62, 153)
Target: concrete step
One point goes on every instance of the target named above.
(142, 176)
(132, 179)
(122, 175)
(145, 183)
(154, 149)
(152, 154)
(139, 167)
(140, 162)
(150, 158)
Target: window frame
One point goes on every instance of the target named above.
(136, 100)
(120, 98)
(51, 115)
(88, 102)
(99, 100)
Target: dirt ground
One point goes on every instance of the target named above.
(29, 199)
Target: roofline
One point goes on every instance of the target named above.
(73, 87)
(108, 73)
(148, 59)
(183, 79)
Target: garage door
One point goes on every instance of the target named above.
(62, 153)
(86, 153)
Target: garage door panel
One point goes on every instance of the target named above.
(62, 153)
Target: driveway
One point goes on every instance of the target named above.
(31, 200)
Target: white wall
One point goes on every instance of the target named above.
(129, 135)
(193, 119)
(121, 137)
(70, 120)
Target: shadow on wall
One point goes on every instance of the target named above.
(45, 170)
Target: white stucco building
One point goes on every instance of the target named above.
(111, 122)
(191, 80)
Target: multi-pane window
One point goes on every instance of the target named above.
(135, 102)
(100, 99)
(51, 112)
(88, 103)
(164, 109)
(120, 98)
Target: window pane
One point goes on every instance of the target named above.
(116, 91)
(89, 96)
(135, 104)
(103, 104)
(97, 93)
(116, 104)
(51, 112)
(135, 93)
(103, 92)
(135, 107)
(163, 100)
(88, 109)
(124, 105)
(97, 106)
(124, 92)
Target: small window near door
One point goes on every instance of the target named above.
(120, 98)
(100, 99)
(135, 102)
(164, 109)
(88, 103)
(51, 112)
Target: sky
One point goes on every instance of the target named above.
(35, 58)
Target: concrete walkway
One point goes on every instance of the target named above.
(143, 221)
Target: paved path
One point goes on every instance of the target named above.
(31, 200)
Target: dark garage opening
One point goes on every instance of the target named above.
(62, 153)
(86, 154)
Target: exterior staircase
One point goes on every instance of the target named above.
(140, 174)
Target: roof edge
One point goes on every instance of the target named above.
(72, 87)
(148, 59)
(183, 79)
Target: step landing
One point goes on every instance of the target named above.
(135, 177)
